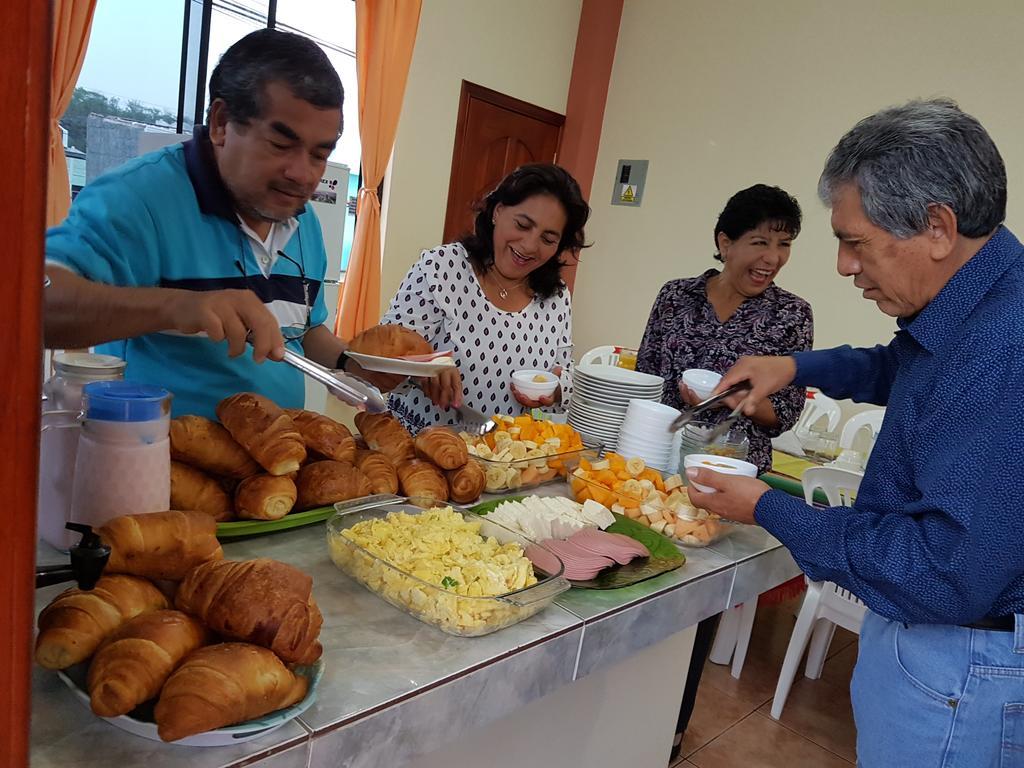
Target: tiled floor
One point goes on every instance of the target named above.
(731, 724)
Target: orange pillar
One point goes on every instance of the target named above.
(25, 94)
(588, 93)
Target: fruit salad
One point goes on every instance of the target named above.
(630, 488)
(523, 452)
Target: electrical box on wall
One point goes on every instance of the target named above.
(630, 180)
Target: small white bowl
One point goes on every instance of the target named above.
(523, 381)
(724, 465)
(701, 381)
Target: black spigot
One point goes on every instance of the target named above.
(88, 559)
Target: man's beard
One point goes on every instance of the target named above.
(251, 210)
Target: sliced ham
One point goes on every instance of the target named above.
(580, 564)
(585, 554)
(615, 546)
(543, 558)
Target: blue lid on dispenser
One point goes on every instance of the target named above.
(125, 401)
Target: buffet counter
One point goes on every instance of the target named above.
(595, 679)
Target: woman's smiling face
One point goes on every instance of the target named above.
(527, 235)
(753, 260)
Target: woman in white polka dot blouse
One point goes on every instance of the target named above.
(496, 298)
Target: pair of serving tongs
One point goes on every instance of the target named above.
(723, 426)
(344, 386)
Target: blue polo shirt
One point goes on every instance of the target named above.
(936, 534)
(167, 220)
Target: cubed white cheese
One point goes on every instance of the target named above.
(597, 514)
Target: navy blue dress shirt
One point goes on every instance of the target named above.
(936, 534)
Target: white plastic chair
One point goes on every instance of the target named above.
(870, 420)
(733, 636)
(818, 406)
(825, 604)
(606, 355)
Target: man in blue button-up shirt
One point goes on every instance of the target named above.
(934, 544)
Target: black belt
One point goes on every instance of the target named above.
(999, 624)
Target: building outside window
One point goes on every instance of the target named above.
(130, 86)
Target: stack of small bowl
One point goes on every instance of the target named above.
(645, 434)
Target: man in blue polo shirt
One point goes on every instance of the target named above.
(934, 543)
(174, 259)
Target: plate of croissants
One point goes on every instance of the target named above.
(261, 468)
(398, 350)
(177, 644)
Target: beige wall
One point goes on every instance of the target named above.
(522, 48)
(721, 94)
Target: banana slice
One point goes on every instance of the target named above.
(518, 451)
(635, 466)
(633, 488)
(494, 479)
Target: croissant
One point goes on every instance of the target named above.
(74, 624)
(134, 662)
(390, 341)
(160, 545)
(378, 470)
(423, 481)
(265, 602)
(265, 497)
(325, 482)
(222, 685)
(194, 490)
(324, 435)
(206, 445)
(264, 430)
(466, 483)
(442, 446)
(383, 433)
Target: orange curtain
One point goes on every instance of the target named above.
(385, 35)
(72, 20)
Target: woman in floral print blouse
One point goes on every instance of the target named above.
(712, 320)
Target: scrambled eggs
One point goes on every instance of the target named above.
(440, 547)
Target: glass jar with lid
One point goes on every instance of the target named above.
(72, 371)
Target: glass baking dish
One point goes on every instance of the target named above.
(519, 474)
(462, 615)
(686, 525)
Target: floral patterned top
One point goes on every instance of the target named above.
(442, 300)
(684, 332)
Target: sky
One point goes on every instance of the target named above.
(135, 49)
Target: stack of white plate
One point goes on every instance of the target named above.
(645, 434)
(600, 397)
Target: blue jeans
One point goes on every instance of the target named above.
(938, 696)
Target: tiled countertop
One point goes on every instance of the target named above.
(391, 679)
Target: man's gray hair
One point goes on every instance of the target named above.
(905, 158)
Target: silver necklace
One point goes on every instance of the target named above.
(502, 291)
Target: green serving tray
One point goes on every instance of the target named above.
(238, 528)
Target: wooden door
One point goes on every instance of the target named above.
(495, 134)
(24, 135)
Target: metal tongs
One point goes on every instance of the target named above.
(723, 426)
(470, 419)
(342, 385)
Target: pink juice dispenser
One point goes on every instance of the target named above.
(123, 464)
